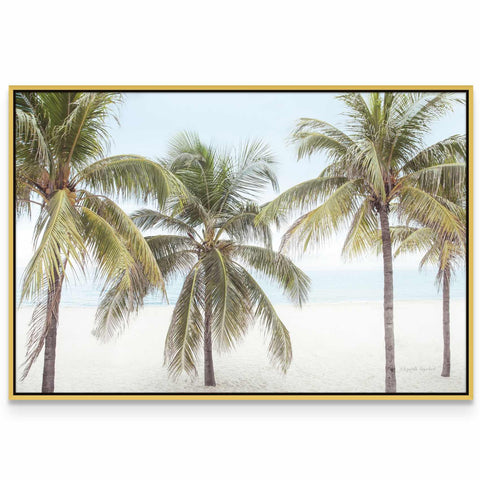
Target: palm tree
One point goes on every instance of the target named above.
(60, 167)
(220, 299)
(378, 167)
(446, 253)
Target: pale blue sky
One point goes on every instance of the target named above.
(149, 120)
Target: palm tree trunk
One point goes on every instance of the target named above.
(54, 294)
(390, 375)
(446, 323)
(209, 373)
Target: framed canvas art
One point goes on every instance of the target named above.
(241, 242)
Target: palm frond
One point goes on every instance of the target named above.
(31, 126)
(177, 264)
(276, 267)
(252, 171)
(300, 197)
(412, 118)
(60, 238)
(451, 149)
(130, 175)
(362, 233)
(412, 240)
(84, 131)
(314, 136)
(127, 231)
(163, 245)
(121, 297)
(186, 147)
(241, 226)
(433, 211)
(321, 222)
(226, 295)
(447, 179)
(146, 219)
(184, 337)
(127, 281)
(279, 346)
(44, 314)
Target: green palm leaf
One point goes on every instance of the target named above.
(184, 337)
(146, 219)
(447, 179)
(279, 347)
(320, 223)
(61, 238)
(130, 175)
(125, 228)
(300, 197)
(39, 325)
(437, 212)
(127, 280)
(313, 135)
(177, 264)
(226, 296)
(163, 245)
(242, 226)
(451, 148)
(364, 230)
(277, 267)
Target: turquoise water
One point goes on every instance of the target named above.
(327, 286)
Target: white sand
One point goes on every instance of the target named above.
(336, 348)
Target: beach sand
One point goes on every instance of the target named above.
(337, 347)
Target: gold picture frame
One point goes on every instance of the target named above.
(468, 395)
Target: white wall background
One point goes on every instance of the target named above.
(250, 42)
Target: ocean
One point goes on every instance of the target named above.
(327, 286)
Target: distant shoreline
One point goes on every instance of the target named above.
(327, 287)
(278, 305)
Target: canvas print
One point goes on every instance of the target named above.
(240, 242)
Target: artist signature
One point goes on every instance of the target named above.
(416, 369)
